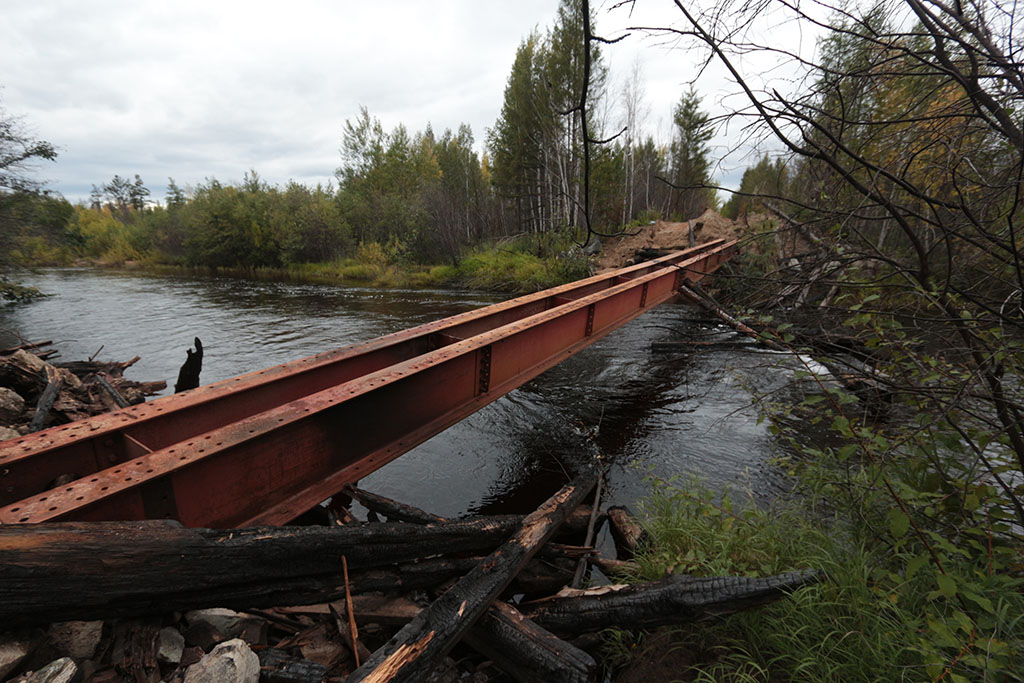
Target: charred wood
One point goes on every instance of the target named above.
(410, 654)
(673, 600)
(107, 569)
(188, 376)
(393, 510)
(526, 651)
(626, 531)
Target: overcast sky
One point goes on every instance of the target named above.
(196, 90)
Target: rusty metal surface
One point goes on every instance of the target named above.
(264, 447)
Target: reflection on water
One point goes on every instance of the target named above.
(644, 413)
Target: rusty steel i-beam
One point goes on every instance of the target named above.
(262, 448)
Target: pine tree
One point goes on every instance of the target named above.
(689, 156)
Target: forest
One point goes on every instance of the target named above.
(413, 199)
(882, 230)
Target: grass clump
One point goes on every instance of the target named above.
(885, 612)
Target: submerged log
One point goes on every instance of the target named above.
(673, 600)
(392, 509)
(526, 651)
(94, 570)
(410, 654)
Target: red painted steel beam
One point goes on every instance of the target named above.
(29, 463)
(268, 467)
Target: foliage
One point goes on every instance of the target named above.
(689, 156)
(884, 611)
(764, 181)
(536, 144)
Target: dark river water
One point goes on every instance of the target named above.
(645, 413)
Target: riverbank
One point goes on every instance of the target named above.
(519, 265)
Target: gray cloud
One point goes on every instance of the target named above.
(195, 90)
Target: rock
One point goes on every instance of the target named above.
(169, 645)
(190, 655)
(207, 627)
(59, 671)
(8, 433)
(12, 405)
(76, 639)
(229, 662)
(221, 620)
(13, 651)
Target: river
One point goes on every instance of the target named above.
(646, 414)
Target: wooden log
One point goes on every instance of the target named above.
(84, 368)
(526, 651)
(581, 567)
(277, 666)
(367, 609)
(30, 346)
(676, 346)
(410, 654)
(95, 570)
(693, 292)
(673, 600)
(111, 391)
(626, 531)
(392, 509)
(53, 386)
(188, 375)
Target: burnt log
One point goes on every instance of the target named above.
(84, 368)
(188, 375)
(97, 570)
(410, 654)
(277, 666)
(25, 347)
(526, 651)
(627, 533)
(671, 601)
(53, 386)
(392, 509)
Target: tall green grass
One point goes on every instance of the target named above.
(882, 614)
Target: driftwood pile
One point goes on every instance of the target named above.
(38, 392)
(415, 598)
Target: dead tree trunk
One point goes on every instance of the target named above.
(410, 654)
(527, 652)
(626, 531)
(392, 509)
(53, 386)
(188, 376)
(673, 600)
(93, 570)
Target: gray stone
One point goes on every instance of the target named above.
(12, 653)
(12, 405)
(223, 621)
(76, 639)
(169, 645)
(207, 627)
(229, 662)
(8, 433)
(59, 671)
